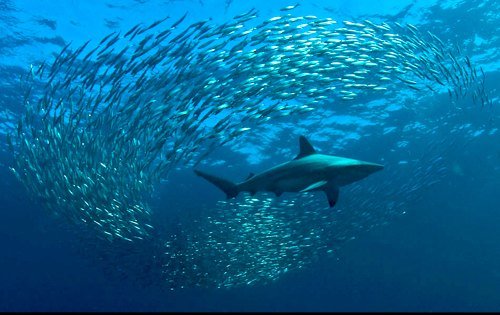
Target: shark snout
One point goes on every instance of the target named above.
(373, 167)
(366, 168)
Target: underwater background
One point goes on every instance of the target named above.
(101, 209)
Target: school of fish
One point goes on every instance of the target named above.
(104, 123)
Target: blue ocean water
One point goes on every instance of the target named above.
(425, 237)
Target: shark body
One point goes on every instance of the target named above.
(309, 171)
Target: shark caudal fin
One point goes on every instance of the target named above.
(230, 189)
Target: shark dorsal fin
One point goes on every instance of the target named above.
(305, 148)
(250, 176)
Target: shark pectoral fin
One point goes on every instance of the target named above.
(314, 186)
(332, 193)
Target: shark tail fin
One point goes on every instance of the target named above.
(229, 188)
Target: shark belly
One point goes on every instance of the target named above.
(297, 184)
(292, 177)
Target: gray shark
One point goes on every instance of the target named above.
(308, 171)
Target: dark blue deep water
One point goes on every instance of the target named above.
(436, 249)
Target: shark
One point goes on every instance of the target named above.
(308, 171)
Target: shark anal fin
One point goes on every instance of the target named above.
(332, 193)
(278, 193)
(305, 148)
(314, 186)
